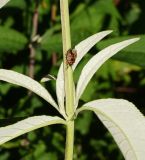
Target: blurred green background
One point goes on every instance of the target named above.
(34, 47)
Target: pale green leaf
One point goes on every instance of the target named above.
(96, 62)
(12, 131)
(47, 78)
(125, 123)
(60, 91)
(134, 54)
(3, 2)
(82, 48)
(27, 82)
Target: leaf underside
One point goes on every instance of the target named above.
(12, 131)
(82, 48)
(134, 54)
(125, 123)
(26, 82)
(96, 62)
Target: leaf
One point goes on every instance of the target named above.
(133, 54)
(27, 82)
(84, 18)
(17, 4)
(12, 131)
(51, 40)
(82, 48)
(125, 123)
(47, 78)
(3, 2)
(96, 62)
(11, 41)
(60, 90)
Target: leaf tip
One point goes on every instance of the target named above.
(109, 31)
(137, 39)
(133, 40)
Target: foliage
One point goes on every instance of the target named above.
(113, 80)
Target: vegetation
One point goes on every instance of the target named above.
(30, 43)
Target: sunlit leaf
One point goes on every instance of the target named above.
(3, 2)
(125, 123)
(82, 48)
(26, 82)
(96, 62)
(12, 131)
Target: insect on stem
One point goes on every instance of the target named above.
(71, 56)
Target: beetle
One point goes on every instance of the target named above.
(71, 56)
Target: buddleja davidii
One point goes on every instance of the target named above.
(117, 115)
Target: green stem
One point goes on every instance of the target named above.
(69, 140)
(68, 80)
(68, 73)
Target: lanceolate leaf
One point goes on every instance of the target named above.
(27, 125)
(26, 82)
(60, 89)
(82, 48)
(134, 54)
(125, 123)
(3, 2)
(95, 63)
